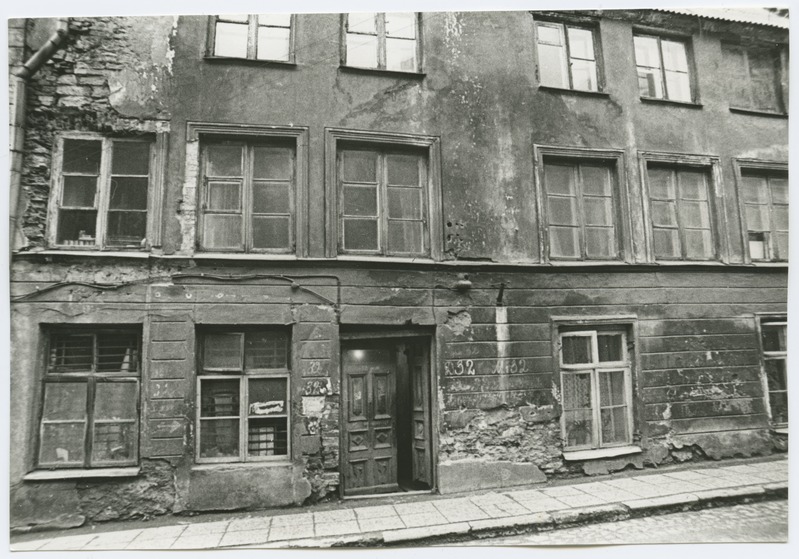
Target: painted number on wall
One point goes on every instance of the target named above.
(317, 388)
(459, 368)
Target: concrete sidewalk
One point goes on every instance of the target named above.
(459, 517)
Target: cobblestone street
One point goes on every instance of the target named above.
(753, 523)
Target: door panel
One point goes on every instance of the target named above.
(419, 366)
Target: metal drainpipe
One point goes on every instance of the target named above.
(18, 112)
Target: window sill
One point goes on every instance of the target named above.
(141, 253)
(658, 101)
(382, 71)
(241, 256)
(39, 475)
(780, 430)
(593, 454)
(566, 90)
(222, 466)
(255, 61)
(755, 112)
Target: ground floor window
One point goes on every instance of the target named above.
(773, 339)
(243, 396)
(90, 399)
(596, 388)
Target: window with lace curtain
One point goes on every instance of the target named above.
(90, 399)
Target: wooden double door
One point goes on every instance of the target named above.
(386, 400)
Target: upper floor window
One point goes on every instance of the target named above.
(243, 396)
(382, 41)
(581, 209)
(663, 71)
(681, 212)
(754, 78)
(567, 56)
(764, 195)
(254, 36)
(101, 192)
(90, 409)
(247, 196)
(773, 340)
(383, 201)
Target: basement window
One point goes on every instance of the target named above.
(596, 388)
(567, 56)
(382, 41)
(243, 396)
(101, 193)
(663, 70)
(267, 37)
(90, 407)
(774, 344)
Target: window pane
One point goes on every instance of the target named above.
(738, 76)
(664, 213)
(698, 244)
(650, 83)
(610, 347)
(600, 242)
(548, 33)
(576, 349)
(775, 374)
(64, 401)
(128, 193)
(780, 218)
(219, 438)
(563, 242)
(401, 25)
(405, 236)
(270, 232)
(781, 245)
(267, 437)
(576, 389)
(584, 75)
(559, 179)
(130, 158)
(77, 227)
(71, 352)
(552, 65)
(82, 156)
(779, 190)
(79, 191)
(695, 215)
(562, 211)
(360, 200)
(272, 163)
(231, 40)
(661, 184)
(224, 161)
(359, 166)
(579, 428)
(239, 18)
(360, 234)
(667, 243)
(614, 425)
(117, 352)
(598, 211)
(404, 203)
(647, 52)
(114, 442)
(270, 197)
(674, 56)
(267, 396)
(757, 218)
(773, 338)
(62, 443)
(362, 50)
(115, 400)
(757, 246)
(266, 350)
(219, 398)
(222, 351)
(277, 20)
(693, 185)
(581, 43)
(764, 95)
(401, 55)
(778, 401)
(273, 43)
(403, 170)
(678, 86)
(754, 189)
(611, 386)
(362, 23)
(224, 196)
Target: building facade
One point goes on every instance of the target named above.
(262, 261)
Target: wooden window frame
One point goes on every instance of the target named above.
(685, 40)
(243, 377)
(764, 167)
(380, 34)
(781, 69)
(615, 158)
(716, 201)
(91, 378)
(773, 320)
(564, 26)
(252, 41)
(429, 146)
(156, 161)
(206, 132)
(575, 327)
